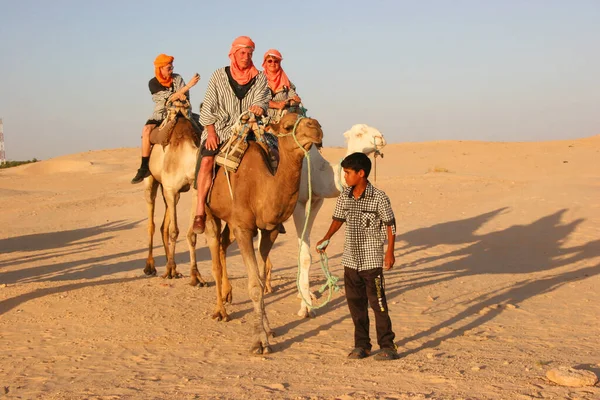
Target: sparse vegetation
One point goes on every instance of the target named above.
(9, 164)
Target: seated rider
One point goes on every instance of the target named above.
(231, 91)
(164, 85)
(283, 92)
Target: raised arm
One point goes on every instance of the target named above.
(186, 87)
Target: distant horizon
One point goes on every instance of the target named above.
(340, 147)
(76, 74)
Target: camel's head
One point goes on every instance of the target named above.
(308, 131)
(363, 138)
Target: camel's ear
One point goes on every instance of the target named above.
(347, 135)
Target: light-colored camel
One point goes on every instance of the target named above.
(173, 170)
(326, 182)
(261, 201)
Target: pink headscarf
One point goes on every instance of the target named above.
(241, 76)
(279, 79)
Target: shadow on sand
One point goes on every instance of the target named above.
(519, 250)
(82, 254)
(9, 304)
(61, 239)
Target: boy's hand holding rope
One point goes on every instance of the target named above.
(331, 281)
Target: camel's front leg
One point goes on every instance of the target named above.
(227, 238)
(151, 188)
(268, 268)
(256, 276)
(171, 200)
(196, 278)
(267, 239)
(164, 228)
(212, 231)
(300, 219)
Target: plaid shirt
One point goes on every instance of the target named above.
(367, 219)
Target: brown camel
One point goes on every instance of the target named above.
(261, 201)
(173, 169)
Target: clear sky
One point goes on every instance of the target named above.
(75, 73)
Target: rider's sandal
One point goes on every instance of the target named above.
(359, 353)
(387, 354)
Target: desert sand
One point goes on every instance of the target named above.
(497, 280)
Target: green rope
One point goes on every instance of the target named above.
(331, 281)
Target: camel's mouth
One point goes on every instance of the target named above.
(379, 142)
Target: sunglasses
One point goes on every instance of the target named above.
(271, 61)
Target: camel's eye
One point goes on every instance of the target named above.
(288, 126)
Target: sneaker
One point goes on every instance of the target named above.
(141, 174)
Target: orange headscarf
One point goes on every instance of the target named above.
(241, 76)
(162, 61)
(277, 80)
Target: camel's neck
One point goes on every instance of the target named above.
(284, 187)
(338, 173)
(289, 170)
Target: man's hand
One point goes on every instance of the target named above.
(177, 96)
(389, 261)
(256, 110)
(295, 99)
(212, 141)
(193, 81)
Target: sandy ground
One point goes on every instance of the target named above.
(497, 281)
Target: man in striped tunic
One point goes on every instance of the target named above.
(231, 91)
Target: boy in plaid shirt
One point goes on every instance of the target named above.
(369, 220)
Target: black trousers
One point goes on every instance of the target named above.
(364, 288)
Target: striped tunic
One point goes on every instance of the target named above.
(222, 108)
(282, 95)
(160, 97)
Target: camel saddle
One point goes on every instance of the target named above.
(175, 108)
(231, 154)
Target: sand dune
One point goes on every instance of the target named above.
(497, 277)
